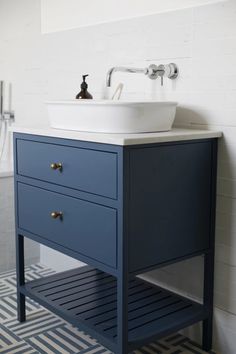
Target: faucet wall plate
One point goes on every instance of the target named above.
(170, 70)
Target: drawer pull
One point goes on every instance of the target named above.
(56, 166)
(56, 214)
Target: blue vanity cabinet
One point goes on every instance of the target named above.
(123, 210)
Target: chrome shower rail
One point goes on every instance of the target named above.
(1, 99)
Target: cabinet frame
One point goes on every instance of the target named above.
(122, 273)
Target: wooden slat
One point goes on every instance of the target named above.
(150, 317)
(92, 299)
(98, 303)
(73, 294)
(73, 284)
(142, 320)
(96, 311)
(162, 326)
(137, 306)
(88, 290)
(68, 280)
(60, 276)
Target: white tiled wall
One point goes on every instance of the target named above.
(57, 15)
(202, 41)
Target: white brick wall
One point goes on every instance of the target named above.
(79, 12)
(202, 41)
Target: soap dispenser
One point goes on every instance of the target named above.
(84, 94)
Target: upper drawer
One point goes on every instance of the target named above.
(87, 170)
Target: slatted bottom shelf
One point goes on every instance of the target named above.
(86, 297)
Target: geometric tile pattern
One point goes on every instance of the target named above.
(46, 333)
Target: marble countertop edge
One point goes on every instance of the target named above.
(176, 134)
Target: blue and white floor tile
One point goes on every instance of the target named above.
(45, 333)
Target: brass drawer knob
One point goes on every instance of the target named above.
(56, 214)
(56, 166)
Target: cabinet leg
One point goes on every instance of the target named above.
(122, 315)
(209, 261)
(20, 277)
(208, 301)
(21, 307)
(207, 335)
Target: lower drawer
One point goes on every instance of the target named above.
(84, 227)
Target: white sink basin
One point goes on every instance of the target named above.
(109, 116)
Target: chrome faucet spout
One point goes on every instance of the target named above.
(124, 70)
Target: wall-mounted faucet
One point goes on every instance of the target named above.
(5, 114)
(170, 71)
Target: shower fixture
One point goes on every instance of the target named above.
(5, 114)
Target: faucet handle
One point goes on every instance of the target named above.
(170, 70)
(161, 71)
(152, 72)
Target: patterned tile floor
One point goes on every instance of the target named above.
(46, 333)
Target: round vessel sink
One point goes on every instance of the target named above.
(107, 116)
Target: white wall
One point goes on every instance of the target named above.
(57, 260)
(202, 41)
(60, 15)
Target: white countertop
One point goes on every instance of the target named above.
(176, 134)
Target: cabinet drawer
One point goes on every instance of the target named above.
(84, 227)
(87, 170)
